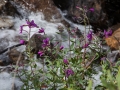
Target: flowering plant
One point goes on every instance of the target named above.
(63, 68)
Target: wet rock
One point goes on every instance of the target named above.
(2, 3)
(97, 18)
(9, 9)
(6, 22)
(4, 60)
(15, 55)
(105, 14)
(36, 42)
(1, 63)
(112, 9)
(114, 41)
(3, 44)
(63, 4)
(113, 56)
(48, 8)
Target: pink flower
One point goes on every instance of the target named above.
(69, 72)
(77, 7)
(22, 41)
(91, 9)
(65, 61)
(86, 45)
(89, 36)
(46, 42)
(40, 53)
(41, 30)
(107, 33)
(21, 29)
(31, 24)
(61, 47)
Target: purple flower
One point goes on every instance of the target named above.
(86, 45)
(77, 7)
(22, 41)
(89, 36)
(31, 24)
(91, 9)
(103, 58)
(40, 53)
(65, 61)
(69, 72)
(61, 47)
(107, 33)
(46, 42)
(41, 30)
(21, 29)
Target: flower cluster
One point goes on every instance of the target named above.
(69, 72)
(89, 37)
(65, 61)
(46, 42)
(107, 33)
(29, 24)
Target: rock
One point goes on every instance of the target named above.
(6, 22)
(4, 60)
(112, 9)
(2, 3)
(97, 18)
(113, 56)
(3, 44)
(114, 41)
(63, 4)
(1, 63)
(48, 8)
(9, 9)
(106, 12)
(36, 42)
(14, 56)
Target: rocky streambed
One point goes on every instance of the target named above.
(54, 16)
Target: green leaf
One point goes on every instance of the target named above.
(89, 85)
(118, 79)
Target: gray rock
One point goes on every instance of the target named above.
(2, 3)
(6, 22)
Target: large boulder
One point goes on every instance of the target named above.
(114, 41)
(15, 56)
(11, 57)
(106, 12)
(35, 44)
(97, 18)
